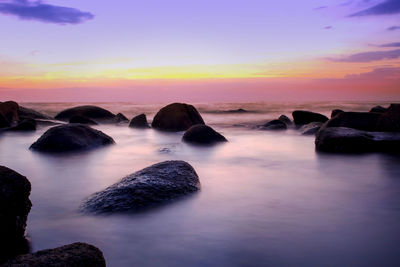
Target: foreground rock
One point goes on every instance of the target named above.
(71, 137)
(95, 113)
(76, 255)
(81, 119)
(347, 140)
(273, 125)
(302, 117)
(176, 117)
(366, 121)
(14, 208)
(311, 128)
(153, 185)
(140, 121)
(203, 135)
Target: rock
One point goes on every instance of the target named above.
(176, 117)
(311, 128)
(9, 109)
(81, 119)
(95, 113)
(27, 113)
(3, 121)
(121, 118)
(335, 112)
(71, 137)
(348, 140)
(302, 117)
(151, 186)
(239, 110)
(366, 121)
(140, 121)
(378, 109)
(14, 208)
(285, 119)
(202, 134)
(23, 126)
(390, 120)
(76, 255)
(274, 125)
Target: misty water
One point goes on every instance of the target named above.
(267, 198)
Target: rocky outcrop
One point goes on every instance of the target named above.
(71, 137)
(14, 208)
(151, 186)
(98, 114)
(273, 125)
(139, 121)
(203, 135)
(335, 112)
(302, 117)
(311, 128)
(176, 117)
(81, 119)
(74, 255)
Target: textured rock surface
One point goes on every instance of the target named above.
(95, 113)
(153, 185)
(302, 117)
(176, 117)
(139, 121)
(203, 134)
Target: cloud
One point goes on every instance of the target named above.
(37, 10)
(320, 7)
(328, 28)
(387, 7)
(395, 44)
(393, 28)
(369, 56)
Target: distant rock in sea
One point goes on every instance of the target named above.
(285, 119)
(202, 135)
(273, 125)
(139, 121)
(378, 109)
(121, 118)
(97, 114)
(302, 117)
(311, 128)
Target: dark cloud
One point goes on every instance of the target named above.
(369, 56)
(393, 28)
(40, 11)
(387, 7)
(396, 44)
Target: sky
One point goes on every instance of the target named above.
(199, 51)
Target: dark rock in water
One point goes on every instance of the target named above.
(311, 128)
(203, 134)
(25, 113)
(274, 125)
(3, 121)
(81, 119)
(24, 125)
(9, 109)
(176, 117)
(76, 255)
(335, 112)
(285, 119)
(95, 113)
(378, 109)
(366, 121)
(153, 185)
(348, 140)
(302, 117)
(140, 121)
(14, 208)
(71, 137)
(390, 120)
(121, 118)
(239, 110)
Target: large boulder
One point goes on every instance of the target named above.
(71, 137)
(366, 121)
(348, 140)
(203, 135)
(74, 255)
(9, 110)
(302, 117)
(14, 208)
(390, 120)
(139, 121)
(151, 186)
(311, 128)
(273, 125)
(28, 113)
(176, 117)
(95, 113)
(81, 119)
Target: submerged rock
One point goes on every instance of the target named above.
(76, 255)
(285, 119)
(203, 134)
(273, 125)
(153, 185)
(71, 137)
(366, 121)
(378, 109)
(302, 117)
(81, 119)
(176, 117)
(121, 118)
(335, 112)
(95, 113)
(14, 208)
(311, 128)
(139, 121)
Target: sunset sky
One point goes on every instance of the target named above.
(209, 50)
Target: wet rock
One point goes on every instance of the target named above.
(378, 109)
(14, 208)
(28, 113)
(366, 121)
(9, 110)
(203, 134)
(348, 140)
(121, 118)
(311, 128)
(285, 119)
(24, 126)
(81, 119)
(95, 113)
(302, 117)
(176, 117)
(71, 137)
(335, 112)
(390, 120)
(273, 125)
(139, 121)
(76, 255)
(151, 186)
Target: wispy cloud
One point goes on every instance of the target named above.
(369, 56)
(393, 28)
(387, 7)
(40, 11)
(395, 44)
(328, 28)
